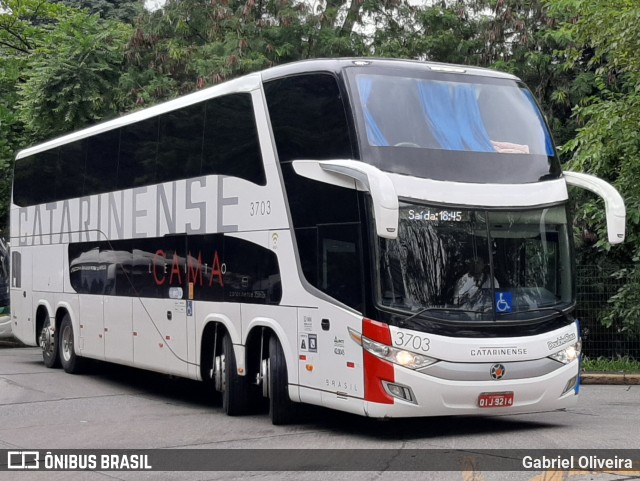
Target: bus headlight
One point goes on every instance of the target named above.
(568, 354)
(410, 360)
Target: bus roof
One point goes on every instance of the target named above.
(252, 81)
(338, 64)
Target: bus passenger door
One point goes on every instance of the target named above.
(22, 313)
(340, 276)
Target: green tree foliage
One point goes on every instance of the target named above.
(443, 32)
(521, 37)
(606, 42)
(23, 25)
(193, 43)
(122, 10)
(58, 69)
(190, 44)
(71, 76)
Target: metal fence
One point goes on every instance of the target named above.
(595, 286)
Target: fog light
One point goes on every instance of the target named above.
(399, 391)
(571, 384)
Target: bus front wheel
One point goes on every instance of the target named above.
(235, 388)
(71, 362)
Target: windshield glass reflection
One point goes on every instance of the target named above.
(476, 265)
(403, 111)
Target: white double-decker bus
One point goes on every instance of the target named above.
(388, 238)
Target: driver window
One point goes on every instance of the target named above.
(339, 263)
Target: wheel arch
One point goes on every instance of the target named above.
(64, 308)
(42, 314)
(221, 324)
(274, 329)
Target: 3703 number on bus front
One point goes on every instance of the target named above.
(413, 342)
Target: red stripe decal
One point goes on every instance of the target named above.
(375, 369)
(376, 331)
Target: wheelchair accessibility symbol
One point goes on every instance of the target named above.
(504, 302)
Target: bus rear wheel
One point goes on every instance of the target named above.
(235, 389)
(281, 409)
(71, 362)
(49, 345)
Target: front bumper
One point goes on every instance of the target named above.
(441, 397)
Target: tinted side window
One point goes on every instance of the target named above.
(309, 122)
(211, 267)
(312, 202)
(251, 273)
(180, 145)
(308, 118)
(102, 163)
(24, 177)
(117, 260)
(339, 256)
(138, 152)
(159, 266)
(70, 174)
(44, 180)
(327, 222)
(86, 273)
(205, 258)
(147, 272)
(231, 144)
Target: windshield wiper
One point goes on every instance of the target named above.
(475, 313)
(547, 308)
(441, 309)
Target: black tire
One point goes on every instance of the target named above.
(49, 346)
(235, 393)
(281, 409)
(208, 375)
(71, 362)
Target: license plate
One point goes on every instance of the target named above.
(495, 399)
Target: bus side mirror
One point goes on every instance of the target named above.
(613, 202)
(354, 174)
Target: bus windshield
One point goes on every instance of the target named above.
(476, 265)
(452, 127)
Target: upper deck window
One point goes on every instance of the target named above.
(434, 114)
(308, 118)
(215, 137)
(451, 126)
